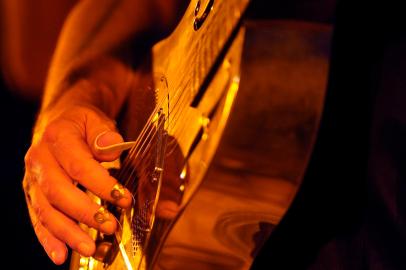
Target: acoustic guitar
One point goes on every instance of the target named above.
(221, 152)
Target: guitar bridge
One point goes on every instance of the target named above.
(160, 146)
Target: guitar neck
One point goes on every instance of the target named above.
(188, 55)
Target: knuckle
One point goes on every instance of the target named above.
(37, 229)
(43, 240)
(38, 175)
(50, 191)
(41, 214)
(30, 157)
(90, 112)
(111, 124)
(25, 184)
(95, 115)
(84, 216)
(41, 178)
(51, 133)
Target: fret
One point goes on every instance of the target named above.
(191, 54)
(208, 41)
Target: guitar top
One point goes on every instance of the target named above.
(223, 142)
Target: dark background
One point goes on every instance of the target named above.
(350, 210)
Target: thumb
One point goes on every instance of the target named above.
(104, 141)
(105, 146)
(110, 143)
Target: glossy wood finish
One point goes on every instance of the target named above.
(183, 62)
(263, 153)
(254, 134)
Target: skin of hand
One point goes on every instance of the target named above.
(85, 90)
(62, 154)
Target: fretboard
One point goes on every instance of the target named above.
(189, 55)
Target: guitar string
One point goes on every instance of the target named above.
(137, 160)
(135, 165)
(144, 158)
(203, 75)
(151, 134)
(135, 151)
(197, 46)
(146, 127)
(184, 98)
(141, 169)
(142, 166)
(130, 181)
(140, 154)
(175, 121)
(138, 149)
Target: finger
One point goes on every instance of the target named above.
(106, 144)
(100, 134)
(65, 196)
(55, 249)
(167, 209)
(75, 157)
(58, 225)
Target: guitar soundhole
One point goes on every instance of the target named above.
(199, 20)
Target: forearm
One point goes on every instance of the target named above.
(83, 50)
(96, 47)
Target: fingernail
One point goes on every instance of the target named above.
(117, 192)
(104, 218)
(85, 249)
(109, 141)
(54, 256)
(102, 215)
(106, 138)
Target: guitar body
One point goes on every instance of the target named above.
(228, 142)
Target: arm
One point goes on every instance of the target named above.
(98, 29)
(87, 84)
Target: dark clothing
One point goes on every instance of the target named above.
(350, 211)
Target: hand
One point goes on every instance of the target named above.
(65, 151)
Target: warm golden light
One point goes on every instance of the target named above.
(183, 173)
